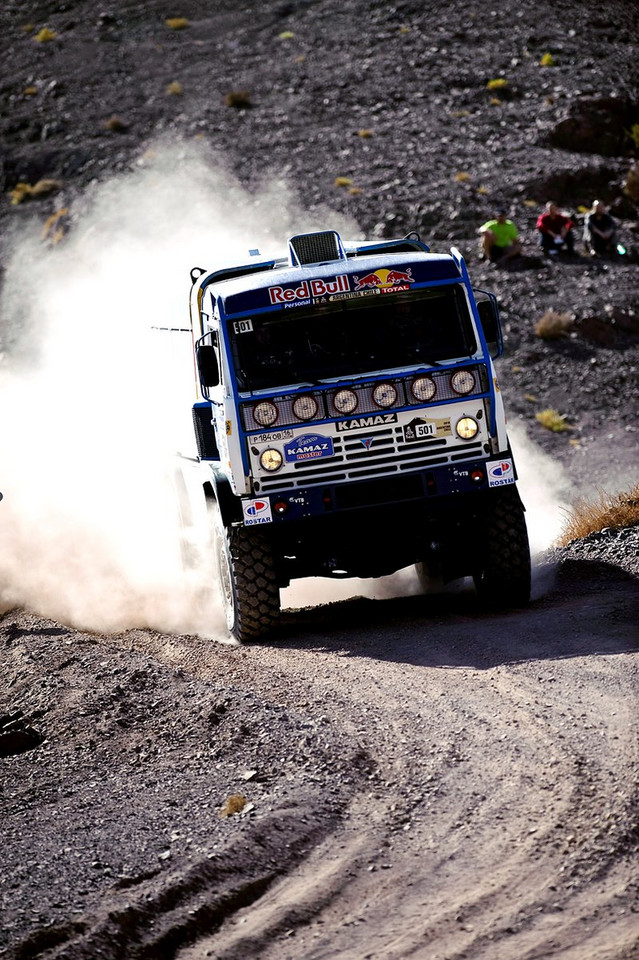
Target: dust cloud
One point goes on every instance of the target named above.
(97, 402)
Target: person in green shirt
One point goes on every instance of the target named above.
(500, 238)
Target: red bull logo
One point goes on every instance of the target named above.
(385, 280)
(308, 289)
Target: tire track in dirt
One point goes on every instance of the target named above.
(500, 815)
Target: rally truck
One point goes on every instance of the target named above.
(349, 423)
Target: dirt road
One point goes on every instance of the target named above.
(422, 781)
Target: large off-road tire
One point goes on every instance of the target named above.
(248, 584)
(502, 578)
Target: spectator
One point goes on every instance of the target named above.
(499, 238)
(555, 230)
(599, 230)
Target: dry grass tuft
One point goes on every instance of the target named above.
(343, 182)
(115, 124)
(234, 804)
(177, 23)
(631, 185)
(462, 177)
(608, 510)
(26, 191)
(240, 99)
(44, 35)
(54, 226)
(552, 420)
(175, 88)
(553, 325)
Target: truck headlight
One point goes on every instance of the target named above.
(467, 428)
(423, 388)
(270, 459)
(345, 401)
(385, 394)
(305, 407)
(463, 381)
(265, 413)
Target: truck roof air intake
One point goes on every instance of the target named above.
(315, 248)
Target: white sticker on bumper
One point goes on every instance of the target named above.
(257, 511)
(500, 473)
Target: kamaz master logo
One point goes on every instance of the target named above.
(312, 446)
(365, 423)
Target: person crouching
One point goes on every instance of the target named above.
(599, 231)
(500, 238)
(555, 230)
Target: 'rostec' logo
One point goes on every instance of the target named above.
(500, 472)
(257, 507)
(257, 511)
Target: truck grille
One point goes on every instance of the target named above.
(377, 452)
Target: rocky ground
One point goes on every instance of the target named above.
(412, 777)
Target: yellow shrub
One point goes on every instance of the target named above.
(552, 420)
(547, 60)
(44, 35)
(26, 191)
(177, 23)
(633, 133)
(343, 182)
(497, 84)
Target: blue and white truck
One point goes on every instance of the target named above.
(349, 423)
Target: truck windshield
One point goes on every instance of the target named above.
(351, 337)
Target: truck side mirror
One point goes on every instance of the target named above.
(207, 365)
(491, 325)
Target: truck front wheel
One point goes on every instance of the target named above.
(502, 578)
(248, 584)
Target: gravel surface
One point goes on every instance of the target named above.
(397, 777)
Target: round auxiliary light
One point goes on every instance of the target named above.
(463, 381)
(385, 394)
(423, 388)
(467, 428)
(345, 401)
(270, 460)
(305, 407)
(265, 413)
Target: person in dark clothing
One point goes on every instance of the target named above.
(555, 230)
(599, 230)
